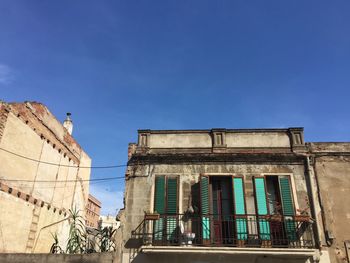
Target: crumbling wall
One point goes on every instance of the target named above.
(333, 176)
(139, 189)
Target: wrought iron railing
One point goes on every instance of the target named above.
(274, 231)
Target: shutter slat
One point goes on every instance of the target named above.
(239, 204)
(239, 196)
(260, 195)
(287, 207)
(159, 207)
(172, 196)
(159, 202)
(286, 196)
(204, 197)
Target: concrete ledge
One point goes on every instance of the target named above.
(288, 252)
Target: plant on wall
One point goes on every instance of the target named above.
(106, 239)
(55, 248)
(82, 241)
(76, 238)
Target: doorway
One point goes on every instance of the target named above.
(222, 209)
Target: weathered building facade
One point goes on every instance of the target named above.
(223, 195)
(40, 178)
(92, 211)
(331, 163)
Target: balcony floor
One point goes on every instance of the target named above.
(301, 254)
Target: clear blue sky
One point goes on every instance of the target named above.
(119, 66)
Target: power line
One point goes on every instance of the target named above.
(21, 185)
(64, 165)
(64, 181)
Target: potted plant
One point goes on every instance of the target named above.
(303, 216)
(152, 216)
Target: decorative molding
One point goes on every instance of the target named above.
(218, 140)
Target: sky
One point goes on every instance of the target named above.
(120, 66)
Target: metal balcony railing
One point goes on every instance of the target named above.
(275, 231)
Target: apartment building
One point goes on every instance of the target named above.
(92, 211)
(243, 195)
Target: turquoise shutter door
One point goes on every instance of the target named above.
(287, 207)
(171, 221)
(260, 196)
(159, 207)
(239, 204)
(204, 198)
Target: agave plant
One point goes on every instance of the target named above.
(77, 238)
(106, 237)
(55, 248)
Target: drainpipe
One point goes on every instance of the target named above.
(313, 196)
(311, 176)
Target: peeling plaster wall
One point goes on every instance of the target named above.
(333, 176)
(140, 185)
(184, 153)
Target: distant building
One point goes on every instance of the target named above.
(40, 178)
(93, 208)
(109, 221)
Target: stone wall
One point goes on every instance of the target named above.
(332, 168)
(59, 258)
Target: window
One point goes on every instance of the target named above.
(223, 209)
(273, 196)
(165, 203)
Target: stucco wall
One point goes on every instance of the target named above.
(15, 138)
(30, 130)
(14, 232)
(333, 174)
(180, 140)
(251, 139)
(205, 139)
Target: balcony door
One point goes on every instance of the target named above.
(222, 209)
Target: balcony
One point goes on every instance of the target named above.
(254, 231)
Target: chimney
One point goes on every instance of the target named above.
(68, 124)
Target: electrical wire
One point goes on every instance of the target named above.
(64, 181)
(21, 185)
(64, 165)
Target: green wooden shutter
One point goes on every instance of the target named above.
(239, 204)
(205, 210)
(286, 196)
(159, 206)
(159, 196)
(260, 196)
(171, 209)
(172, 196)
(287, 207)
